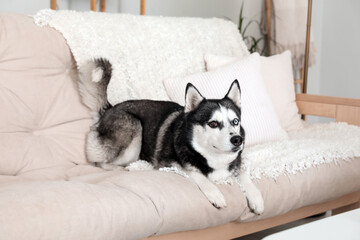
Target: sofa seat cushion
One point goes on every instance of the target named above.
(43, 122)
(109, 205)
(91, 203)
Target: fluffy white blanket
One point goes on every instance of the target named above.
(311, 146)
(144, 50)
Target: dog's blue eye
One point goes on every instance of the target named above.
(213, 124)
(236, 121)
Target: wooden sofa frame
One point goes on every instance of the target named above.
(342, 109)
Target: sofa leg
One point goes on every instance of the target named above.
(345, 208)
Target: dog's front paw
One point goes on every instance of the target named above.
(256, 201)
(208, 188)
(252, 193)
(216, 198)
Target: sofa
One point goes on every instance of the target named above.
(49, 191)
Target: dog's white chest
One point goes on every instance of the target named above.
(219, 175)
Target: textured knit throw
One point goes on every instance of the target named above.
(144, 50)
(311, 146)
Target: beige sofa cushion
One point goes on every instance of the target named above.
(42, 123)
(95, 204)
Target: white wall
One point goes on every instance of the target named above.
(198, 8)
(28, 7)
(340, 55)
(335, 26)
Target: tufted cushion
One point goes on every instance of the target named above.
(43, 122)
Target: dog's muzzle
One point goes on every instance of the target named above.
(236, 140)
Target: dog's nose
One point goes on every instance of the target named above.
(236, 140)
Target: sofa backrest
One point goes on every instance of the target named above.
(42, 120)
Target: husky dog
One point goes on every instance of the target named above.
(204, 138)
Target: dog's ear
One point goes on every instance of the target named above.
(234, 93)
(192, 98)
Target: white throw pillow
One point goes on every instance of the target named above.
(258, 117)
(279, 80)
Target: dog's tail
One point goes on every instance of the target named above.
(94, 77)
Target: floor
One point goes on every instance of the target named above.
(262, 234)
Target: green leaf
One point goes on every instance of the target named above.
(251, 42)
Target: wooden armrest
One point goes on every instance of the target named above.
(342, 109)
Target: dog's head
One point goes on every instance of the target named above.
(215, 123)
